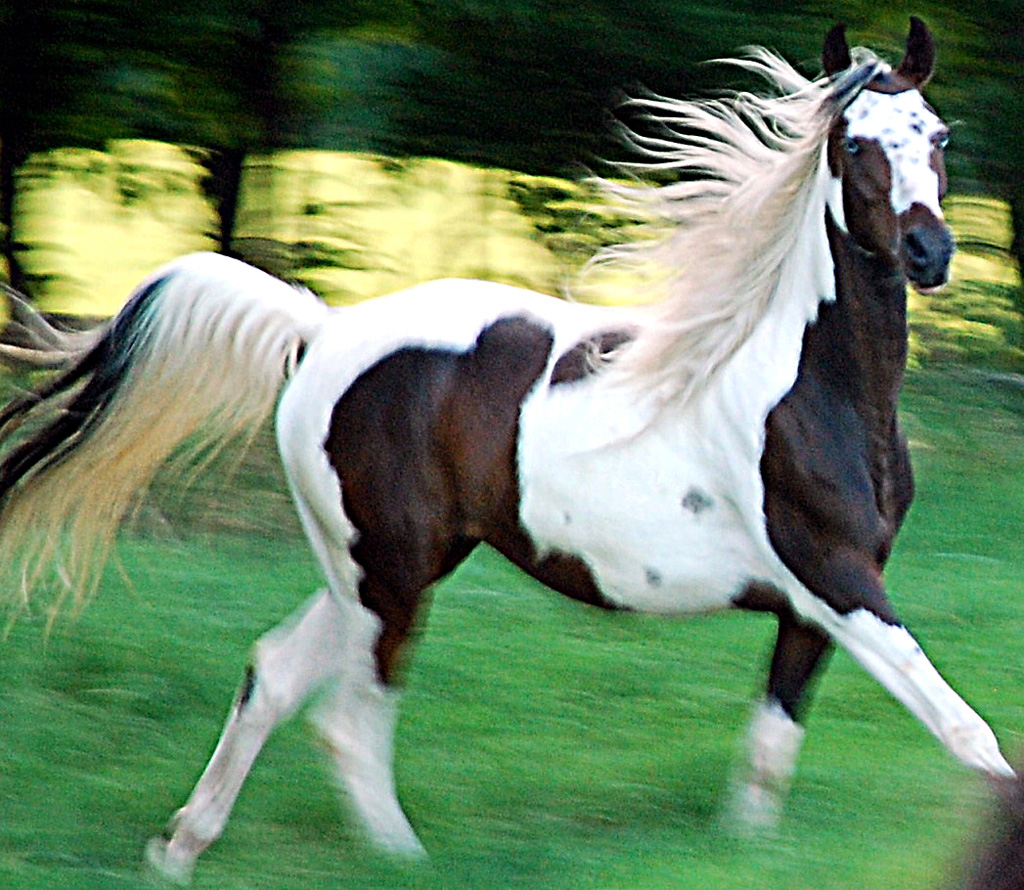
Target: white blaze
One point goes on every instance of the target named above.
(906, 128)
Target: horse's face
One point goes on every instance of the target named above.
(887, 153)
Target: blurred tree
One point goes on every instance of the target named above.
(996, 106)
(219, 75)
(239, 79)
(48, 96)
(18, 31)
(522, 84)
(527, 85)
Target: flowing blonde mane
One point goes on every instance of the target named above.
(746, 219)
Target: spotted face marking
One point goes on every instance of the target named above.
(889, 175)
(910, 134)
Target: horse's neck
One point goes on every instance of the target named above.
(858, 346)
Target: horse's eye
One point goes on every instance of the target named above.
(851, 145)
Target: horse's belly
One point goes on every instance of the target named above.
(668, 557)
(662, 521)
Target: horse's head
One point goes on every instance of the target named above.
(886, 153)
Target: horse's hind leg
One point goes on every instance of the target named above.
(357, 725)
(356, 720)
(320, 643)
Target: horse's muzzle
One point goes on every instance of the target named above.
(928, 248)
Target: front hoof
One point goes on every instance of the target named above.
(164, 864)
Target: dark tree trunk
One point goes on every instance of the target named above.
(259, 77)
(1015, 199)
(1016, 202)
(264, 82)
(223, 187)
(12, 155)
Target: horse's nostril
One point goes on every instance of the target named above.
(929, 250)
(926, 246)
(917, 246)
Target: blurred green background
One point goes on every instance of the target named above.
(359, 147)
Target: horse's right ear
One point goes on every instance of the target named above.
(835, 57)
(919, 60)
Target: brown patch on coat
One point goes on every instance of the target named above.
(424, 443)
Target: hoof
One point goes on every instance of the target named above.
(403, 847)
(164, 865)
(752, 811)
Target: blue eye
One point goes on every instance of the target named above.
(942, 141)
(851, 145)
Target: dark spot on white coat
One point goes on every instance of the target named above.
(696, 501)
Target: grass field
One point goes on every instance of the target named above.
(542, 744)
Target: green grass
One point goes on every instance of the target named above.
(542, 744)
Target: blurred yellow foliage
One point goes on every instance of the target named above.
(357, 226)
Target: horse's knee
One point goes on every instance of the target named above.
(300, 655)
(272, 686)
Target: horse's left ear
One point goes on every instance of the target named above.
(919, 60)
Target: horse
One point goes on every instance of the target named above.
(733, 444)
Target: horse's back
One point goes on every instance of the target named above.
(449, 314)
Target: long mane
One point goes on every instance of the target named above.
(745, 218)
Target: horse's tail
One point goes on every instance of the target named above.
(199, 352)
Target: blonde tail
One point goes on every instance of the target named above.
(199, 352)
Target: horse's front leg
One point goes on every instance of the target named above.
(776, 733)
(855, 612)
(893, 657)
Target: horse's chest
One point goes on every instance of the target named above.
(834, 477)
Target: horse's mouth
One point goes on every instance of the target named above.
(927, 290)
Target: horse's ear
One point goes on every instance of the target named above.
(835, 57)
(919, 60)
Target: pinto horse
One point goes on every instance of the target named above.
(733, 445)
